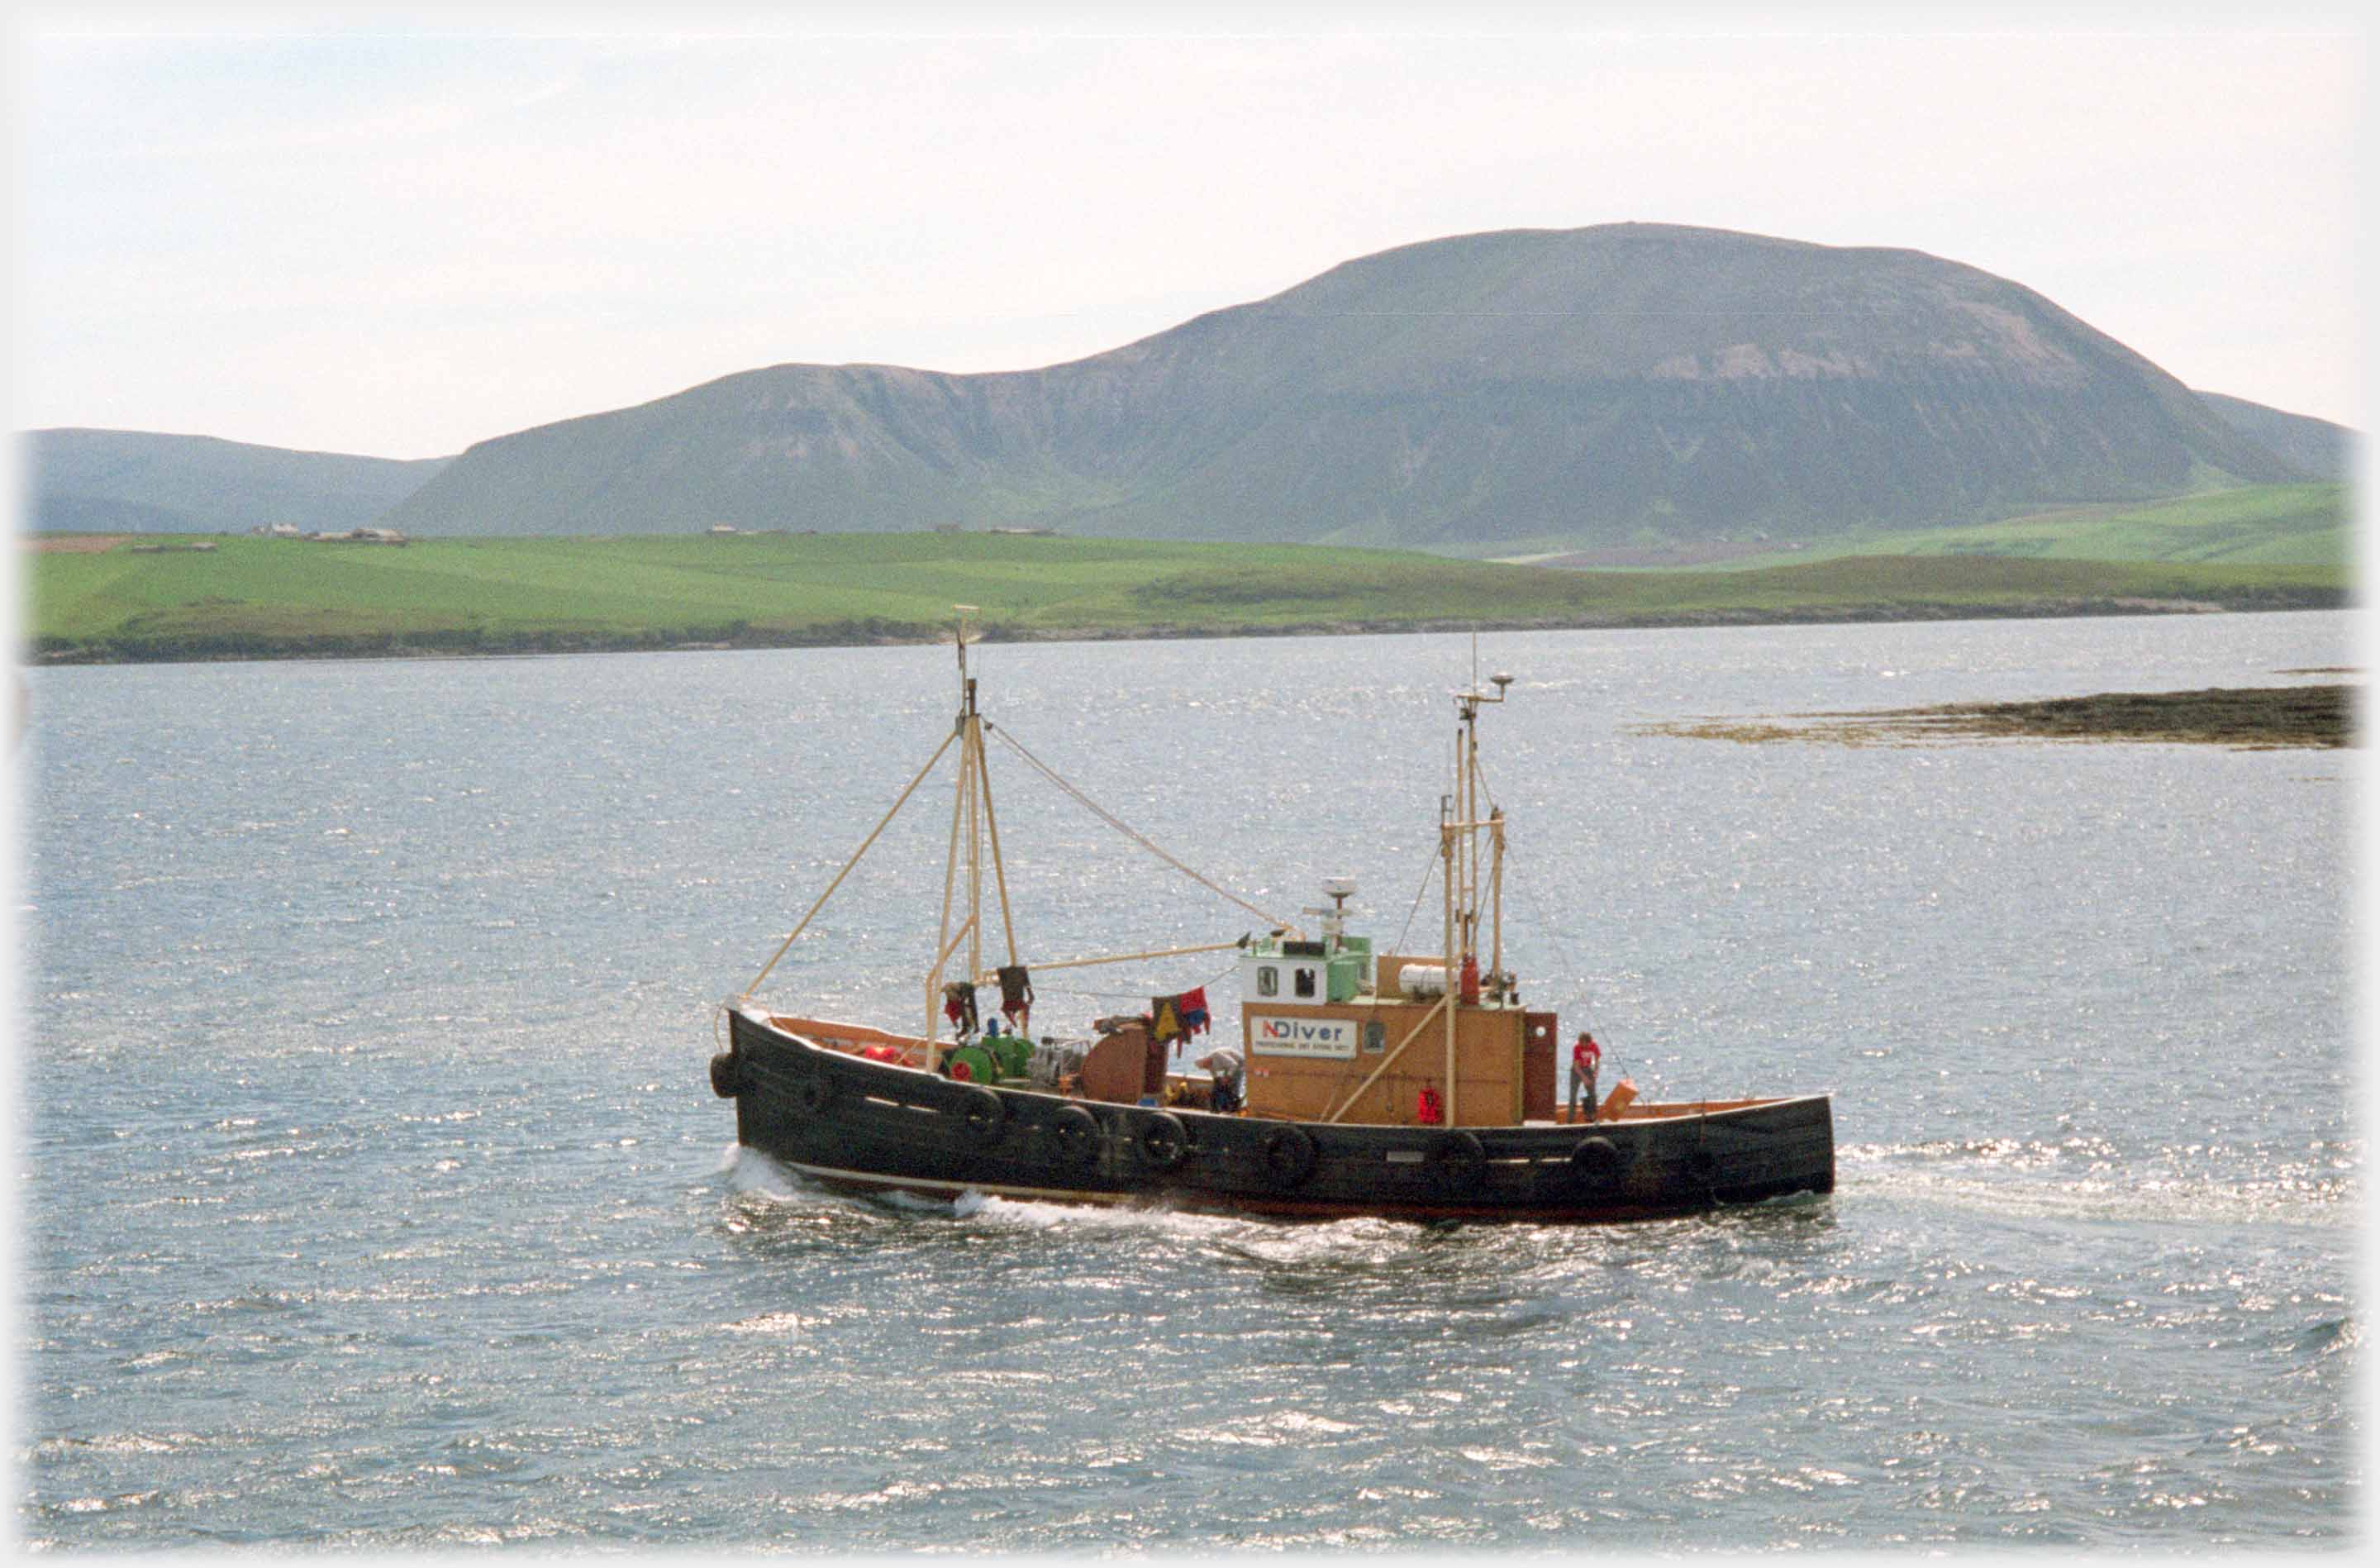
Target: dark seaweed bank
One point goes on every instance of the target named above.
(2248, 718)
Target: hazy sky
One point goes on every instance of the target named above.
(399, 232)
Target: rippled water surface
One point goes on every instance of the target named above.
(373, 1193)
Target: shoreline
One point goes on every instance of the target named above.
(473, 644)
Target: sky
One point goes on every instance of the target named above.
(398, 231)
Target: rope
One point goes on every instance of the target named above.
(1430, 869)
(1562, 949)
(853, 861)
(1221, 975)
(1118, 823)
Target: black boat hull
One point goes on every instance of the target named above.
(866, 1124)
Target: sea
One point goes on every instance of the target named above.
(373, 1195)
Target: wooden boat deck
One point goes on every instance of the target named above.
(909, 1051)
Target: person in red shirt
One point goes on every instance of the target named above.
(1429, 1110)
(1584, 1058)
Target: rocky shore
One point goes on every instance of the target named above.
(2246, 718)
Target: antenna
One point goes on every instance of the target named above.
(1339, 890)
(965, 613)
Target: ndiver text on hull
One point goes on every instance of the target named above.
(1406, 1085)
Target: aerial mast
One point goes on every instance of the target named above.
(1461, 825)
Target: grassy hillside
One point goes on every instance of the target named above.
(2304, 525)
(2266, 524)
(252, 598)
(140, 481)
(2317, 447)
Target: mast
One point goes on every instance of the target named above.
(1461, 825)
(972, 822)
(975, 828)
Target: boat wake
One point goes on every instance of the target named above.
(1143, 1219)
(749, 1173)
(753, 1177)
(752, 1174)
(2083, 1179)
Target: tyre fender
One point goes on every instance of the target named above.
(984, 1114)
(726, 1076)
(1076, 1131)
(1595, 1159)
(815, 1092)
(1162, 1140)
(1460, 1157)
(1289, 1155)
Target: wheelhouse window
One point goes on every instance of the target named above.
(1305, 982)
(1268, 980)
(1376, 1037)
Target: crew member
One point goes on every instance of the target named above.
(1225, 1067)
(1584, 1058)
(1430, 1110)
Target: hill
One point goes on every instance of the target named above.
(1492, 392)
(137, 482)
(253, 598)
(2321, 449)
(2309, 525)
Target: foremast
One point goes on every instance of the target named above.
(975, 828)
(973, 842)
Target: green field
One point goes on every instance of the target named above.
(257, 598)
(2297, 525)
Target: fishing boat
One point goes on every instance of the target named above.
(1406, 1085)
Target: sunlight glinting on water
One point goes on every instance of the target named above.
(376, 1197)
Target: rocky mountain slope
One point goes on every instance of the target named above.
(1627, 382)
(1627, 385)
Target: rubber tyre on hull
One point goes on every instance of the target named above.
(1075, 1133)
(1595, 1160)
(726, 1079)
(1162, 1140)
(984, 1112)
(1289, 1156)
(1462, 1159)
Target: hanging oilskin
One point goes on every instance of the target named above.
(1016, 996)
(958, 1006)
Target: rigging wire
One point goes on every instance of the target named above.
(1553, 933)
(1220, 977)
(1430, 869)
(1569, 960)
(1111, 819)
(847, 865)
